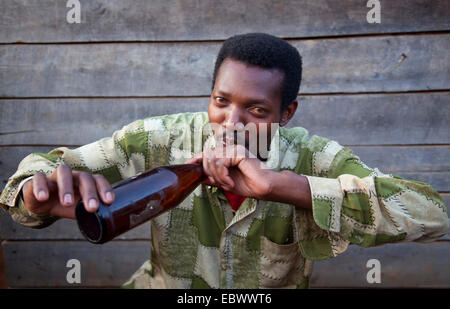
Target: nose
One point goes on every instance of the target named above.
(232, 118)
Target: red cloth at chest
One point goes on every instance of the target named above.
(234, 199)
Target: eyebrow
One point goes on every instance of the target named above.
(248, 101)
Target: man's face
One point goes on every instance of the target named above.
(245, 94)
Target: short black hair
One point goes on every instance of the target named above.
(266, 51)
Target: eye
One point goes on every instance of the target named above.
(258, 111)
(219, 100)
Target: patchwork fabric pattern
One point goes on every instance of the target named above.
(201, 244)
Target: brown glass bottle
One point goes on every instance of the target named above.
(139, 199)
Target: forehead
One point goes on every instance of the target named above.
(239, 78)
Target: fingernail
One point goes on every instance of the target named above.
(42, 195)
(68, 199)
(92, 203)
(109, 196)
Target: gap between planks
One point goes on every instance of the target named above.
(288, 38)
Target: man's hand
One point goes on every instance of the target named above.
(234, 169)
(242, 173)
(58, 193)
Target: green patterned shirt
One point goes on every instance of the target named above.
(200, 244)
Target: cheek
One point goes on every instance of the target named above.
(217, 114)
(213, 113)
(266, 129)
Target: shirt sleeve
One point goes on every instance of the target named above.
(138, 146)
(363, 206)
(109, 156)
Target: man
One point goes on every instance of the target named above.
(257, 221)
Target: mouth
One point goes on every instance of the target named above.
(247, 136)
(234, 137)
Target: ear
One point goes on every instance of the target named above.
(288, 113)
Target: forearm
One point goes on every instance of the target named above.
(290, 188)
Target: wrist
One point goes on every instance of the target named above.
(271, 178)
(289, 188)
(275, 181)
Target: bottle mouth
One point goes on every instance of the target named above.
(89, 224)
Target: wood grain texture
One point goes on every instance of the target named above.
(43, 264)
(429, 164)
(63, 229)
(54, 121)
(365, 64)
(446, 198)
(406, 158)
(379, 119)
(408, 265)
(3, 278)
(143, 20)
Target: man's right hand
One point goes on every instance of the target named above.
(58, 193)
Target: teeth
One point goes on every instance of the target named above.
(231, 136)
(239, 127)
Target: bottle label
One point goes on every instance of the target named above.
(151, 209)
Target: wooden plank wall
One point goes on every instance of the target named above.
(381, 89)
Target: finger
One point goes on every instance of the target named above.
(104, 188)
(27, 188)
(193, 161)
(219, 168)
(213, 170)
(88, 191)
(200, 158)
(206, 169)
(40, 188)
(65, 185)
(211, 166)
(227, 161)
(197, 159)
(64, 212)
(224, 176)
(222, 164)
(208, 181)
